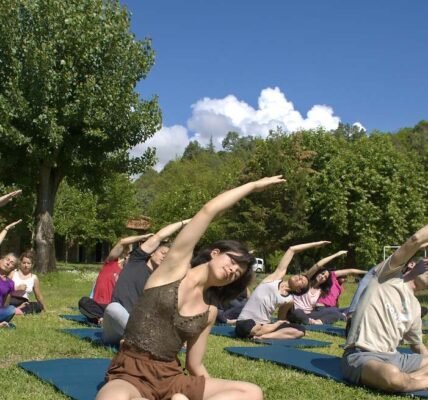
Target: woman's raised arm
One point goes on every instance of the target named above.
(177, 261)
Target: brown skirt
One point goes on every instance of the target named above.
(154, 379)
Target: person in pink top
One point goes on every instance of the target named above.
(323, 285)
(332, 287)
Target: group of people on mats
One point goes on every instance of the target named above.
(17, 280)
(165, 296)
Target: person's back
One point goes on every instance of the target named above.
(106, 281)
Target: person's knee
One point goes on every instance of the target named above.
(386, 377)
(299, 334)
(253, 392)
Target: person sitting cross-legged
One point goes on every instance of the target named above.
(323, 284)
(93, 308)
(142, 262)
(387, 313)
(255, 318)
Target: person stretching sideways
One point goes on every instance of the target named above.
(387, 313)
(142, 261)
(179, 305)
(255, 318)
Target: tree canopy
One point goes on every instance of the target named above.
(68, 105)
(359, 191)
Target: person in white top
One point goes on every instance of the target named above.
(387, 313)
(26, 283)
(255, 318)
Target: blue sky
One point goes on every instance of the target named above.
(250, 66)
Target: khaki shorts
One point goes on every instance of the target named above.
(154, 379)
(354, 359)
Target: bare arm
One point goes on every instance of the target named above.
(284, 309)
(404, 253)
(321, 263)
(177, 261)
(7, 228)
(349, 271)
(8, 197)
(38, 293)
(119, 247)
(281, 270)
(152, 243)
(6, 301)
(196, 348)
(259, 329)
(419, 348)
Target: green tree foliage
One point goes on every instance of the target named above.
(367, 195)
(234, 142)
(75, 215)
(359, 191)
(68, 104)
(83, 217)
(414, 141)
(181, 189)
(116, 203)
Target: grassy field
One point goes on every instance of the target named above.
(37, 338)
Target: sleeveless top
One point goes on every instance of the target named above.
(263, 302)
(29, 282)
(155, 325)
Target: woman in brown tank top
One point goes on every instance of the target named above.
(146, 366)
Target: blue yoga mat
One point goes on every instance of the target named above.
(81, 319)
(78, 378)
(229, 331)
(323, 365)
(330, 329)
(94, 335)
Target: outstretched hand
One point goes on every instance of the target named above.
(8, 197)
(12, 225)
(263, 183)
(342, 252)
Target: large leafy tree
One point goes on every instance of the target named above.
(68, 105)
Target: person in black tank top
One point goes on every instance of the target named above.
(178, 305)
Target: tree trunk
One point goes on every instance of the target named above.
(47, 187)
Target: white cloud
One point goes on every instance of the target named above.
(359, 125)
(170, 143)
(214, 118)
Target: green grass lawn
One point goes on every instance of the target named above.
(37, 338)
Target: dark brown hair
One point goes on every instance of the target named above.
(229, 292)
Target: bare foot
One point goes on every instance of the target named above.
(4, 324)
(315, 321)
